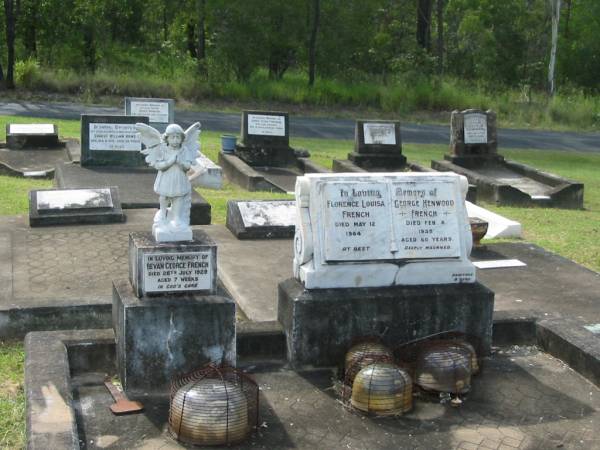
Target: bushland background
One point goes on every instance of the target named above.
(416, 59)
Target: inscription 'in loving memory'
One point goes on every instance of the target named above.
(374, 221)
(177, 271)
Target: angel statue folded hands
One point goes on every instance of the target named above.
(172, 154)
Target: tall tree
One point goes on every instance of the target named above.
(11, 11)
(312, 42)
(424, 24)
(440, 35)
(555, 11)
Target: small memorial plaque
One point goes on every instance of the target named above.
(379, 133)
(266, 125)
(74, 199)
(174, 272)
(267, 213)
(475, 128)
(31, 128)
(155, 111)
(114, 136)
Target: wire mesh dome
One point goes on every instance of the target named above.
(382, 389)
(362, 354)
(213, 406)
(444, 366)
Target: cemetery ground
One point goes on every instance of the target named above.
(574, 234)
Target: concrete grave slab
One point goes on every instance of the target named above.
(74, 206)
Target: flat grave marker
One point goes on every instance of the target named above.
(261, 219)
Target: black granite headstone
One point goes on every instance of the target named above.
(377, 145)
(265, 129)
(111, 141)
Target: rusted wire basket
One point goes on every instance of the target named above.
(444, 366)
(216, 405)
(382, 389)
(364, 352)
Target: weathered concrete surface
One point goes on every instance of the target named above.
(523, 399)
(321, 324)
(35, 162)
(162, 337)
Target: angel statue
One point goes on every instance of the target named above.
(172, 154)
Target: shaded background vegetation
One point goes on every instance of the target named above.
(392, 55)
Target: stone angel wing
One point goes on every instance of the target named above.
(151, 138)
(191, 146)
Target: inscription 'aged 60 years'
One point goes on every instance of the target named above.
(177, 271)
(396, 220)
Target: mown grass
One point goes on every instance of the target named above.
(12, 397)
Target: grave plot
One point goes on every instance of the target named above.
(110, 156)
(264, 160)
(33, 149)
(377, 148)
(474, 145)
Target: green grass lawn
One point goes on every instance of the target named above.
(574, 234)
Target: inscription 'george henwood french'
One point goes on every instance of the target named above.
(381, 220)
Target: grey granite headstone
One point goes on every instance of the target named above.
(74, 206)
(28, 135)
(111, 141)
(473, 135)
(160, 111)
(261, 219)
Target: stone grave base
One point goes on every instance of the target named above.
(523, 398)
(266, 178)
(506, 182)
(136, 187)
(321, 324)
(36, 162)
(161, 337)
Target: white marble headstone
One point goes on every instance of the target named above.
(475, 128)
(372, 230)
(263, 213)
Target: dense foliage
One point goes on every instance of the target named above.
(496, 44)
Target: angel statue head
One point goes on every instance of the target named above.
(174, 135)
(172, 154)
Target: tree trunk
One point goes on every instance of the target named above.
(201, 45)
(190, 31)
(568, 16)
(555, 7)
(10, 12)
(440, 35)
(424, 24)
(312, 42)
(89, 48)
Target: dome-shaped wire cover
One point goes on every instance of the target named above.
(382, 389)
(362, 354)
(444, 366)
(213, 406)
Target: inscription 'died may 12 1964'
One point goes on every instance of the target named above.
(114, 136)
(396, 220)
(186, 271)
(475, 128)
(265, 125)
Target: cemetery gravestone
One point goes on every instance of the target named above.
(74, 206)
(168, 317)
(264, 219)
(39, 135)
(473, 137)
(265, 139)
(377, 144)
(159, 111)
(111, 141)
(380, 254)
